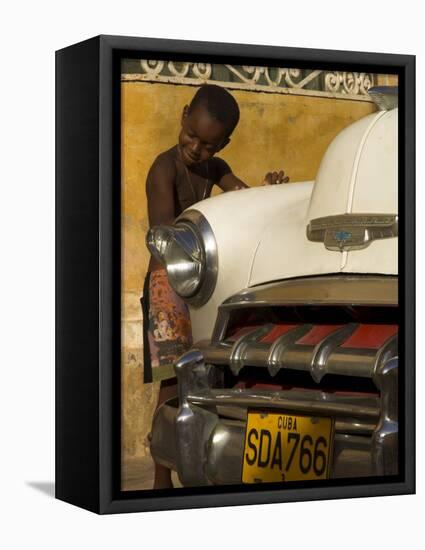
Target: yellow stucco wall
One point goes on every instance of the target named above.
(387, 80)
(275, 131)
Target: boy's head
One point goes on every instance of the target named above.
(207, 124)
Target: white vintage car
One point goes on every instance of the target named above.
(293, 299)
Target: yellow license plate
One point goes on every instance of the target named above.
(286, 447)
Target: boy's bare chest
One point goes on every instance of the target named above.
(191, 186)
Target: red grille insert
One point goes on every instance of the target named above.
(370, 336)
(317, 334)
(241, 332)
(276, 331)
(367, 336)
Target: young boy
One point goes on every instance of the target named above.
(178, 178)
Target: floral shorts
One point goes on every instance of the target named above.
(167, 332)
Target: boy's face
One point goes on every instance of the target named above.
(201, 136)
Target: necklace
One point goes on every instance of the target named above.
(189, 179)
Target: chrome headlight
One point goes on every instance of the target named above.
(188, 251)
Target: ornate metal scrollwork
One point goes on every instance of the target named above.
(202, 70)
(250, 75)
(183, 71)
(352, 85)
(151, 67)
(348, 82)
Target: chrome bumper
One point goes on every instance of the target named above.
(206, 448)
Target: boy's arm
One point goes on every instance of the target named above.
(229, 182)
(160, 191)
(226, 180)
(160, 196)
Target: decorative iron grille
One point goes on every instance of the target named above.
(348, 85)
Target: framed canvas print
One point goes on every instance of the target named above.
(235, 274)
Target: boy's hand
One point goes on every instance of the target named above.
(271, 178)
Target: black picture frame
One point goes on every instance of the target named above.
(88, 273)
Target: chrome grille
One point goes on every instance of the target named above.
(326, 356)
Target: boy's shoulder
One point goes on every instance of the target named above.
(219, 162)
(219, 168)
(166, 159)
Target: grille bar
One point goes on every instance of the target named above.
(349, 425)
(320, 403)
(330, 355)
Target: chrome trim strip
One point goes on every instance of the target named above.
(353, 426)
(252, 399)
(335, 290)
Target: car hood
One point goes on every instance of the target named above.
(358, 176)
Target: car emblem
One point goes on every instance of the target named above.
(346, 232)
(342, 236)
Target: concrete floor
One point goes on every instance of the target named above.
(138, 473)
